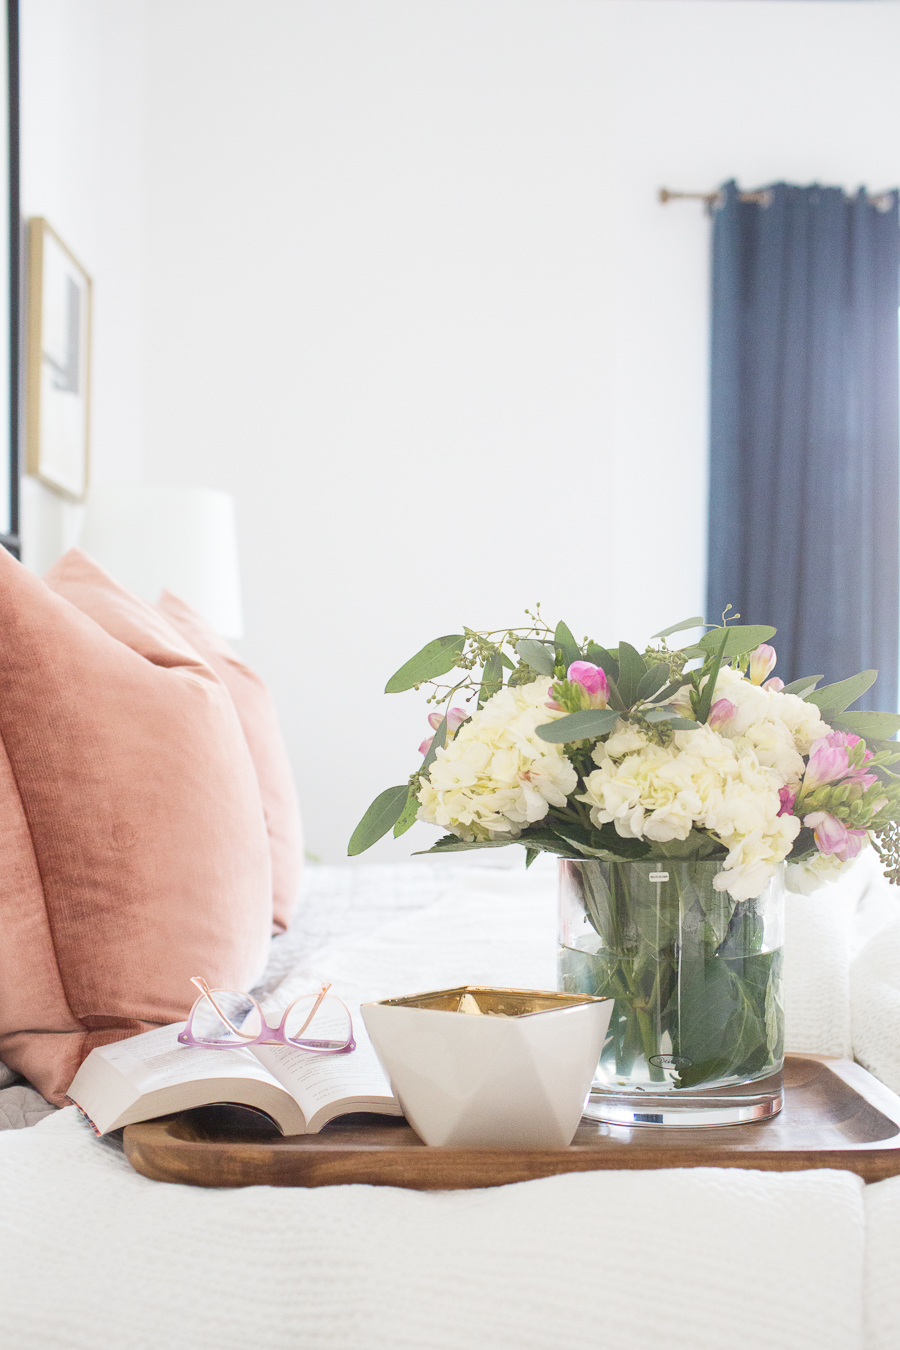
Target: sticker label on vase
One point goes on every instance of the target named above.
(659, 876)
(671, 1061)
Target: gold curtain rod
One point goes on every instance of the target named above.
(880, 200)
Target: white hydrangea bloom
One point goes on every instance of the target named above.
(779, 728)
(701, 779)
(804, 878)
(497, 776)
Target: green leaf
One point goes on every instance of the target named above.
(591, 844)
(580, 726)
(709, 689)
(671, 689)
(449, 843)
(381, 816)
(566, 644)
(615, 698)
(837, 697)
(802, 686)
(530, 855)
(491, 679)
(696, 622)
(435, 659)
(408, 815)
(652, 682)
(606, 660)
(880, 725)
(438, 741)
(742, 638)
(537, 655)
(692, 652)
(505, 662)
(632, 668)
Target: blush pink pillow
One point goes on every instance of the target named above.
(133, 839)
(254, 707)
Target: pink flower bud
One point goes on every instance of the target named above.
(454, 717)
(762, 662)
(426, 745)
(721, 712)
(591, 678)
(787, 796)
(831, 835)
(774, 685)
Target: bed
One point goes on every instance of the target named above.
(94, 1255)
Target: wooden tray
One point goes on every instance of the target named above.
(835, 1115)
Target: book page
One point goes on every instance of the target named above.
(317, 1081)
(155, 1060)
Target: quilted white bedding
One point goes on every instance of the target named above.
(92, 1255)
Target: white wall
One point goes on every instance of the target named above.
(412, 299)
(83, 106)
(409, 294)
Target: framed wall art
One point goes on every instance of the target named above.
(57, 367)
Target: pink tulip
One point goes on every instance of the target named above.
(833, 837)
(426, 745)
(762, 662)
(721, 712)
(591, 678)
(775, 685)
(787, 796)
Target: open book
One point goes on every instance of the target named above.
(152, 1075)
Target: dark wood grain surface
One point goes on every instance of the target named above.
(835, 1115)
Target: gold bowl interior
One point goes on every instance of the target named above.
(489, 1001)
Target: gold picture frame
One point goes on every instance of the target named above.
(57, 364)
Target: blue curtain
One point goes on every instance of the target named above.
(804, 436)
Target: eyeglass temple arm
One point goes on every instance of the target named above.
(315, 1008)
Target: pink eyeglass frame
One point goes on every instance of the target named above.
(268, 1034)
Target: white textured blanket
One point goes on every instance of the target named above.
(700, 1260)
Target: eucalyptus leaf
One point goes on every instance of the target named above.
(579, 726)
(709, 689)
(837, 697)
(537, 655)
(381, 816)
(491, 679)
(742, 638)
(600, 656)
(696, 622)
(881, 725)
(663, 713)
(652, 682)
(438, 741)
(597, 849)
(435, 659)
(408, 815)
(566, 644)
(632, 668)
(694, 651)
(802, 686)
(615, 698)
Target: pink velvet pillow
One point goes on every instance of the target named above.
(134, 844)
(257, 715)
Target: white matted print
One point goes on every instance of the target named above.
(58, 367)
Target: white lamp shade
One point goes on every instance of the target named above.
(153, 538)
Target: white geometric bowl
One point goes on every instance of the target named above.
(481, 1067)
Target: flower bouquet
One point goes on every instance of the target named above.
(674, 782)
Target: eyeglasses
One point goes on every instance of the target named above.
(225, 1019)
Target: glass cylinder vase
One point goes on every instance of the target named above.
(697, 1032)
